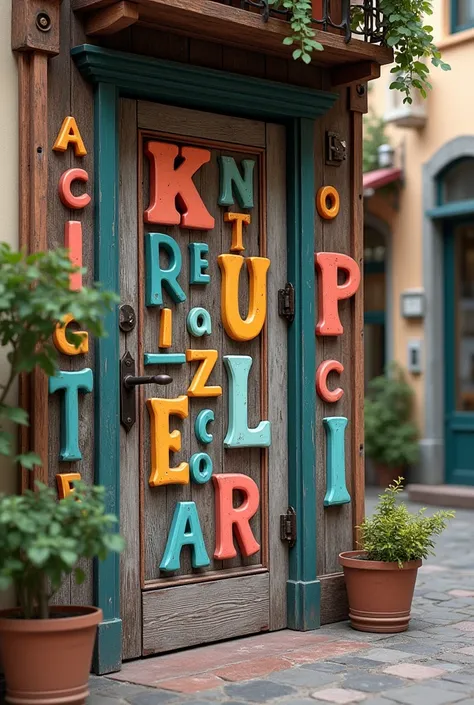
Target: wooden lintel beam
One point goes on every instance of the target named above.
(213, 21)
(112, 19)
(359, 72)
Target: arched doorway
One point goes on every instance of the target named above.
(456, 196)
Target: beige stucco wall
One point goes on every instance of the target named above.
(8, 171)
(450, 107)
(8, 196)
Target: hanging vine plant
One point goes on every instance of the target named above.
(403, 29)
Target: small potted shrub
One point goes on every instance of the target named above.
(380, 578)
(46, 651)
(391, 438)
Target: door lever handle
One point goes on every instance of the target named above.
(128, 396)
(130, 381)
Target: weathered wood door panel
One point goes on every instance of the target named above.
(183, 581)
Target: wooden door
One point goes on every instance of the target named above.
(204, 558)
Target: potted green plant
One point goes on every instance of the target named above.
(380, 578)
(46, 651)
(391, 438)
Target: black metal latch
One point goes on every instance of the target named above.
(288, 527)
(286, 302)
(128, 395)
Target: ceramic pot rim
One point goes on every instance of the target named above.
(348, 559)
(81, 617)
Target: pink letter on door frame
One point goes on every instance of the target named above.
(73, 242)
(68, 199)
(321, 381)
(228, 516)
(170, 185)
(330, 292)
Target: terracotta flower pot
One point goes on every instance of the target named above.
(380, 594)
(48, 661)
(386, 475)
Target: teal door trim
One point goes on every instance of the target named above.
(457, 423)
(118, 74)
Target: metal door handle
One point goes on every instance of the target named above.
(130, 381)
(128, 395)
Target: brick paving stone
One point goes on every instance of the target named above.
(455, 687)
(461, 593)
(420, 648)
(122, 690)
(437, 596)
(254, 668)
(192, 684)
(355, 662)
(385, 655)
(99, 682)
(258, 691)
(372, 683)
(339, 696)
(457, 657)
(414, 671)
(303, 678)
(467, 650)
(153, 697)
(97, 699)
(460, 677)
(325, 667)
(465, 626)
(423, 695)
(294, 701)
(449, 667)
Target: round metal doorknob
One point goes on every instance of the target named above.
(131, 381)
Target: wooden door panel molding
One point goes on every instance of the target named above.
(231, 608)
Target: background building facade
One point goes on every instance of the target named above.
(419, 250)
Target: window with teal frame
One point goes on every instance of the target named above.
(462, 15)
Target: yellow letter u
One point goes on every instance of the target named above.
(230, 266)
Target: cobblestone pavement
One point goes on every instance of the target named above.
(431, 664)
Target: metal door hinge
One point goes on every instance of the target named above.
(286, 302)
(288, 526)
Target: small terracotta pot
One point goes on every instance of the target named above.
(380, 594)
(387, 475)
(48, 661)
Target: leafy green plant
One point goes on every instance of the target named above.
(403, 29)
(43, 539)
(35, 296)
(390, 436)
(393, 534)
(302, 35)
(374, 137)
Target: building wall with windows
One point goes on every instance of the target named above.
(441, 135)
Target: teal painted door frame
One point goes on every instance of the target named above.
(458, 424)
(118, 74)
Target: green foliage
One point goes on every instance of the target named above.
(374, 137)
(412, 41)
(35, 297)
(390, 436)
(42, 541)
(392, 534)
(302, 33)
(404, 30)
